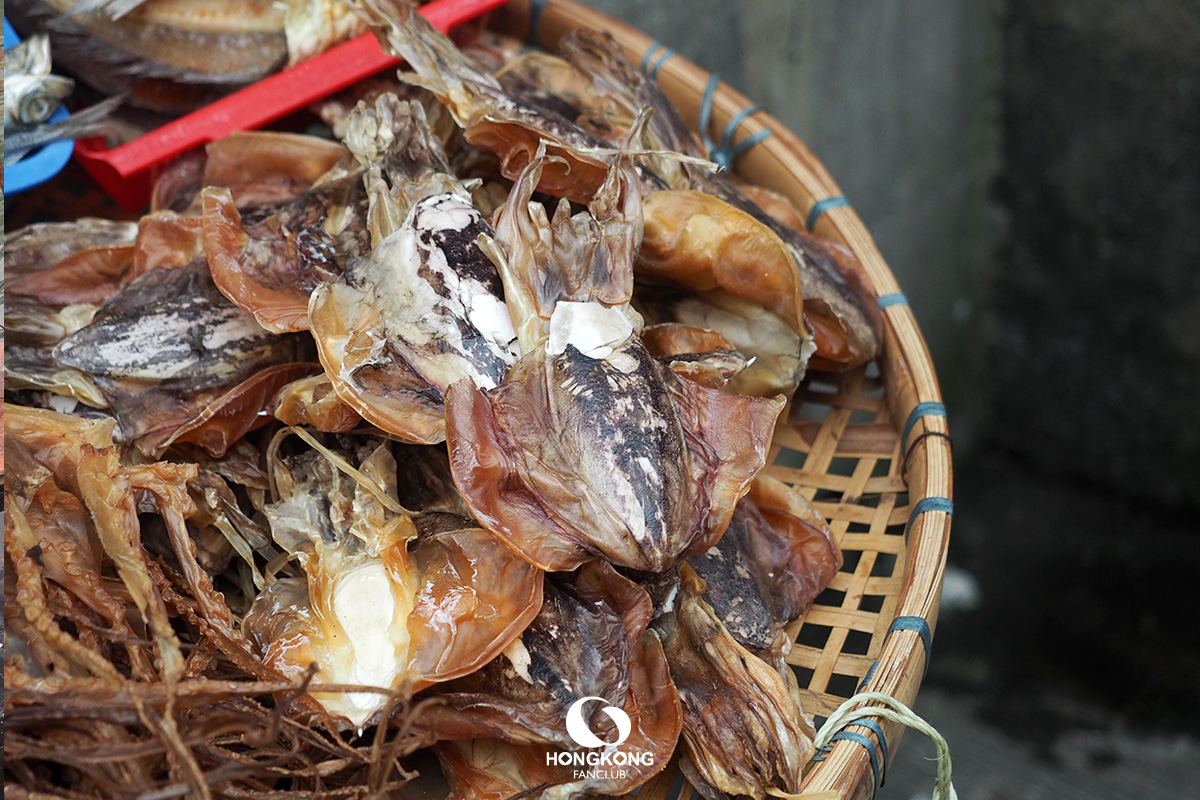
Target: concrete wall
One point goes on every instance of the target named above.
(899, 99)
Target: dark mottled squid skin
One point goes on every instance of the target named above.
(423, 310)
(168, 345)
(744, 732)
(579, 645)
(574, 457)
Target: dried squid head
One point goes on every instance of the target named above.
(776, 556)
(744, 732)
(379, 606)
(586, 258)
(424, 309)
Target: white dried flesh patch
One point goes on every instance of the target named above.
(593, 329)
(371, 611)
(439, 298)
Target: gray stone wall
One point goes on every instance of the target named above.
(1095, 364)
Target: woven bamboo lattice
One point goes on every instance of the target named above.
(870, 447)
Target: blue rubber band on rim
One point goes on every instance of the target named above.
(894, 299)
(535, 20)
(927, 409)
(821, 206)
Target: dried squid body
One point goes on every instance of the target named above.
(506, 722)
(776, 556)
(590, 447)
(424, 309)
(379, 606)
(744, 731)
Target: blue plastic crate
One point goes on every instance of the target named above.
(42, 164)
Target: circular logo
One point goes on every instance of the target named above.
(578, 730)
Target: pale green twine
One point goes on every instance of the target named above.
(851, 710)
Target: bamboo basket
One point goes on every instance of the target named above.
(870, 447)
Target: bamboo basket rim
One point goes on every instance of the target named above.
(780, 161)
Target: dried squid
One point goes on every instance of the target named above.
(379, 605)
(425, 308)
(590, 447)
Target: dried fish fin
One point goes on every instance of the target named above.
(742, 728)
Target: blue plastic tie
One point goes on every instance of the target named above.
(706, 105)
(918, 625)
(867, 744)
(651, 67)
(885, 757)
(821, 206)
(894, 299)
(926, 409)
(929, 504)
(535, 19)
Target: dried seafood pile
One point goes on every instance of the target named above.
(433, 437)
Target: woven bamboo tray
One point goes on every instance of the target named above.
(869, 447)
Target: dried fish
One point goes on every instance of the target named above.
(29, 100)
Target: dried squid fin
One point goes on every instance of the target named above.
(743, 731)
(776, 556)
(89, 276)
(698, 354)
(41, 245)
(166, 239)
(269, 269)
(266, 168)
(238, 411)
(702, 242)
